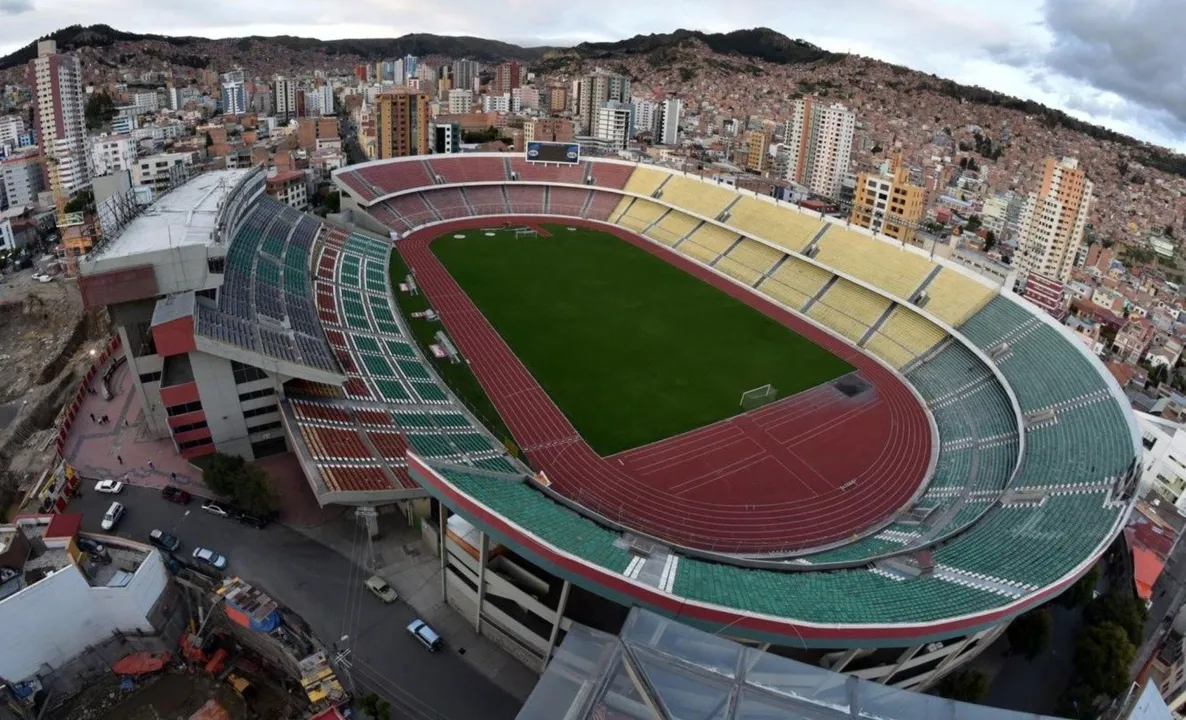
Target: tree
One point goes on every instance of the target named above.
(100, 109)
(209, 140)
(246, 485)
(1029, 635)
(973, 224)
(1082, 591)
(333, 202)
(1077, 702)
(964, 685)
(990, 239)
(1103, 657)
(375, 707)
(1120, 608)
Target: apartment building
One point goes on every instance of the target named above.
(289, 188)
(614, 126)
(461, 101)
(496, 103)
(666, 122)
(59, 117)
(507, 77)
(818, 141)
(757, 151)
(311, 130)
(548, 130)
(284, 98)
(644, 114)
(22, 180)
(112, 153)
(162, 171)
(1053, 220)
(11, 128)
(465, 72)
(401, 124)
(234, 97)
(594, 91)
(887, 203)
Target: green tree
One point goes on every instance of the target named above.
(973, 224)
(1082, 591)
(246, 485)
(1120, 608)
(990, 239)
(375, 707)
(333, 202)
(1029, 635)
(1103, 656)
(209, 140)
(100, 109)
(964, 685)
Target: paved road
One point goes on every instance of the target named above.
(313, 580)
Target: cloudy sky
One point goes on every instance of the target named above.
(1109, 61)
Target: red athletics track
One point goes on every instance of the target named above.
(766, 481)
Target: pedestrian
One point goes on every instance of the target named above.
(151, 466)
(92, 417)
(173, 478)
(119, 459)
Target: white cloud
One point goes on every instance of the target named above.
(1100, 60)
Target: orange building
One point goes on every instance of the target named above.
(402, 124)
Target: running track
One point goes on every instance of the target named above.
(770, 480)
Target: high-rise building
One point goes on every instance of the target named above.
(593, 91)
(11, 128)
(557, 98)
(234, 97)
(757, 150)
(284, 100)
(644, 115)
(507, 77)
(446, 138)
(1053, 220)
(401, 124)
(411, 64)
(465, 72)
(59, 118)
(321, 100)
(22, 180)
(112, 153)
(818, 140)
(461, 101)
(614, 124)
(887, 203)
(548, 130)
(667, 122)
(496, 103)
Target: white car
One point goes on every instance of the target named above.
(112, 516)
(43, 279)
(209, 557)
(111, 487)
(37, 276)
(215, 509)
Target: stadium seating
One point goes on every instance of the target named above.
(550, 173)
(754, 255)
(783, 293)
(566, 201)
(953, 298)
(526, 199)
(360, 186)
(602, 205)
(912, 331)
(611, 175)
(638, 214)
(801, 276)
(413, 209)
(855, 301)
(449, 203)
(891, 268)
(673, 226)
(355, 478)
(486, 199)
(889, 350)
(390, 177)
(714, 239)
(469, 170)
(645, 181)
(783, 225)
(705, 198)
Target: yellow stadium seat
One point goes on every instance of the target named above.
(713, 237)
(672, 227)
(754, 255)
(640, 214)
(782, 225)
(954, 298)
(889, 267)
(737, 271)
(912, 331)
(784, 294)
(706, 198)
(888, 350)
(855, 301)
(802, 276)
(645, 180)
(838, 321)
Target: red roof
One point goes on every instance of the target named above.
(285, 177)
(65, 525)
(1146, 567)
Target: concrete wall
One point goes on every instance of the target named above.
(176, 269)
(220, 401)
(53, 620)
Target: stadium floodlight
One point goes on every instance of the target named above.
(757, 397)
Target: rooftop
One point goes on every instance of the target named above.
(185, 216)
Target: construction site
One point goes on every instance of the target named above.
(227, 650)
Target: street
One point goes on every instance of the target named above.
(314, 581)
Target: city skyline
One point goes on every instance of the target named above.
(1109, 65)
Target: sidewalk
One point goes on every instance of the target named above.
(114, 450)
(415, 573)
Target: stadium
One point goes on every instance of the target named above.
(618, 385)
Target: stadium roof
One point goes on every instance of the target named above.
(185, 216)
(657, 669)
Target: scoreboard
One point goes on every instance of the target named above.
(568, 153)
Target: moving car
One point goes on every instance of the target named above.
(209, 557)
(381, 589)
(426, 635)
(176, 495)
(215, 509)
(112, 517)
(259, 522)
(164, 540)
(111, 487)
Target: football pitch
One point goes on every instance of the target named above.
(631, 348)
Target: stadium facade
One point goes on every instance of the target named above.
(1032, 447)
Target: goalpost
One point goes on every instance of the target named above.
(525, 232)
(757, 397)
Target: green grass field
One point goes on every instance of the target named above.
(631, 348)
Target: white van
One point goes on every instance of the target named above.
(114, 513)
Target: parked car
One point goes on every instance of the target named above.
(381, 589)
(209, 557)
(111, 487)
(164, 540)
(426, 635)
(112, 517)
(259, 522)
(93, 548)
(44, 278)
(215, 509)
(176, 495)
